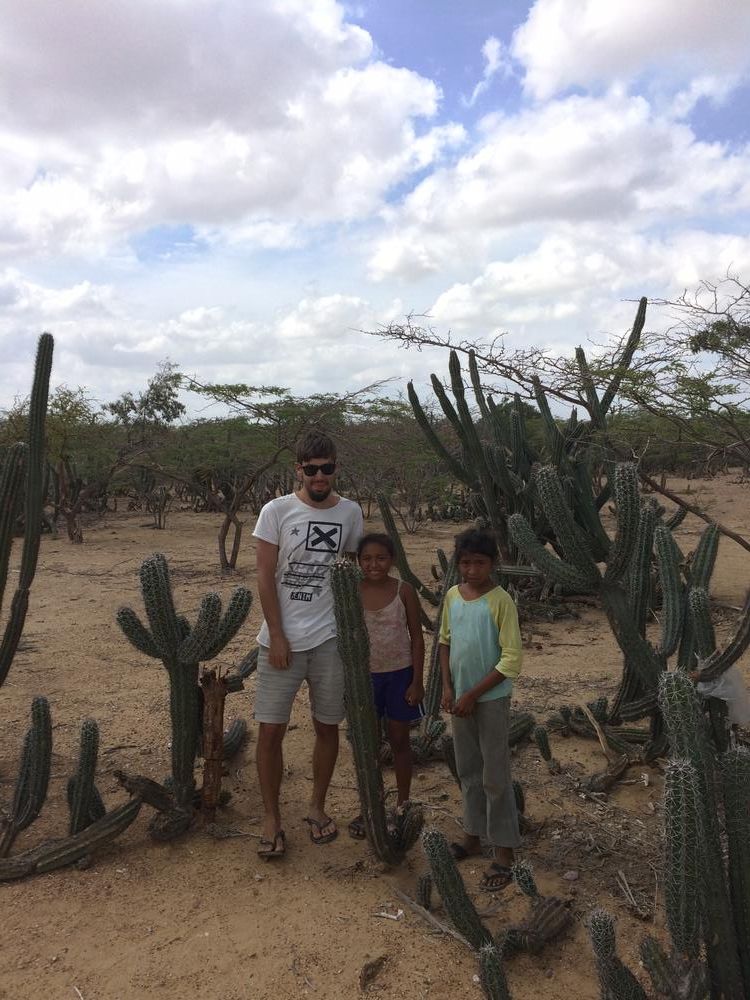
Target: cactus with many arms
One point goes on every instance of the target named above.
(30, 460)
(181, 648)
(447, 880)
(390, 845)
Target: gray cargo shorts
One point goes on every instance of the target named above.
(276, 689)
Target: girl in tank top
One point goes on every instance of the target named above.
(392, 617)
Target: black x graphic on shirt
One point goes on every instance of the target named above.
(320, 538)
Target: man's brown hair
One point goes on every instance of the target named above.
(315, 444)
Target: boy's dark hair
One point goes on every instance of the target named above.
(315, 444)
(377, 538)
(476, 542)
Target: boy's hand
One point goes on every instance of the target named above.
(446, 702)
(414, 693)
(465, 705)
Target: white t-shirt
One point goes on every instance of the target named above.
(310, 539)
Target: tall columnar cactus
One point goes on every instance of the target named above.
(616, 981)
(181, 648)
(689, 740)
(735, 768)
(84, 801)
(673, 976)
(401, 560)
(492, 974)
(683, 846)
(434, 686)
(448, 882)
(389, 845)
(30, 460)
(33, 776)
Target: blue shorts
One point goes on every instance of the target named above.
(389, 689)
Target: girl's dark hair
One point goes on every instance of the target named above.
(315, 444)
(476, 542)
(376, 538)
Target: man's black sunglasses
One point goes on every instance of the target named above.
(328, 469)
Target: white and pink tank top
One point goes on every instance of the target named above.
(390, 642)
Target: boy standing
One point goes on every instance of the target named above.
(480, 655)
(298, 538)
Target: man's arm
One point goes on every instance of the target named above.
(267, 556)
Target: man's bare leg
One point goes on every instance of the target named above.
(325, 753)
(270, 764)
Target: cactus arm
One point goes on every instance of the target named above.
(82, 791)
(623, 362)
(33, 776)
(159, 603)
(191, 648)
(569, 536)
(593, 404)
(700, 617)
(491, 973)
(404, 569)
(10, 485)
(457, 468)
(476, 384)
(545, 561)
(719, 661)
(450, 885)
(672, 597)
(234, 618)
(434, 686)
(735, 766)
(137, 633)
(704, 557)
(33, 506)
(683, 841)
(628, 509)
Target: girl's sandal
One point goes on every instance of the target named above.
(498, 877)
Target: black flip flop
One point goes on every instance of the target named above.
(316, 824)
(276, 848)
(357, 829)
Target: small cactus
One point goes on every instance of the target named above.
(33, 776)
(82, 799)
(523, 875)
(491, 973)
(424, 890)
(448, 882)
(617, 982)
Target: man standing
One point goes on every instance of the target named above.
(298, 538)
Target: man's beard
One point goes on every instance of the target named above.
(319, 493)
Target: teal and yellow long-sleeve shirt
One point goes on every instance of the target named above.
(482, 634)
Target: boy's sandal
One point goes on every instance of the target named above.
(497, 878)
(275, 848)
(357, 828)
(316, 829)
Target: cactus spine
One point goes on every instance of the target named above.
(181, 648)
(448, 882)
(354, 648)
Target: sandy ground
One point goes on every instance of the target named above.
(206, 917)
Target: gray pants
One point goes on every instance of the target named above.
(483, 763)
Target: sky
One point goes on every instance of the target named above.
(243, 186)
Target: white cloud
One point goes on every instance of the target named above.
(566, 43)
(495, 61)
(250, 120)
(579, 159)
